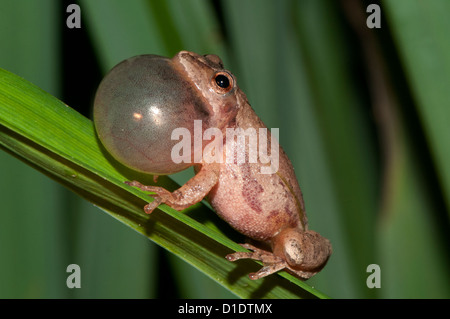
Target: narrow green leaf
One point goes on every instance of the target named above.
(409, 238)
(421, 30)
(121, 29)
(32, 258)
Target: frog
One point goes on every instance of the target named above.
(144, 99)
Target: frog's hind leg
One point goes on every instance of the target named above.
(271, 263)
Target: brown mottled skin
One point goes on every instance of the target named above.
(265, 207)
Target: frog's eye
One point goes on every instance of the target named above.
(222, 82)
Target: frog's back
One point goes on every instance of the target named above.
(256, 204)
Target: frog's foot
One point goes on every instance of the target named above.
(271, 263)
(161, 195)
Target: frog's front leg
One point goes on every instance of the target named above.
(162, 195)
(190, 193)
(271, 263)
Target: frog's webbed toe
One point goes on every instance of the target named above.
(271, 263)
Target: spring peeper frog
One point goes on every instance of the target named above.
(144, 100)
